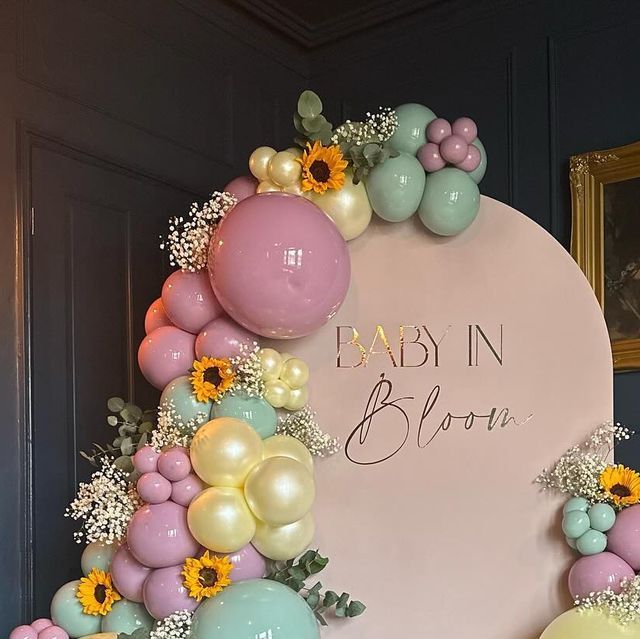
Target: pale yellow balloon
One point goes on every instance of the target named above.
(295, 150)
(224, 450)
(298, 397)
(294, 189)
(271, 362)
(589, 624)
(286, 357)
(259, 162)
(284, 542)
(220, 520)
(268, 187)
(287, 446)
(295, 373)
(277, 393)
(348, 207)
(284, 169)
(280, 490)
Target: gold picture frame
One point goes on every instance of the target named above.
(602, 181)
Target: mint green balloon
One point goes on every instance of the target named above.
(478, 173)
(395, 187)
(576, 503)
(253, 410)
(410, 133)
(255, 608)
(575, 523)
(602, 517)
(450, 202)
(571, 543)
(180, 392)
(592, 542)
(97, 555)
(127, 616)
(66, 612)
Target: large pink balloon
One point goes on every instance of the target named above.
(248, 563)
(128, 574)
(156, 317)
(223, 338)
(624, 538)
(279, 265)
(598, 572)
(165, 354)
(242, 187)
(164, 593)
(189, 301)
(158, 535)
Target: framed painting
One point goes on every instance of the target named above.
(605, 241)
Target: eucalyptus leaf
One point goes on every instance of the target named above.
(142, 441)
(309, 104)
(127, 447)
(112, 420)
(115, 404)
(135, 412)
(124, 463)
(355, 608)
(145, 427)
(314, 124)
(330, 599)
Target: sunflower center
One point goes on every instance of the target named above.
(100, 593)
(212, 375)
(320, 171)
(620, 491)
(208, 577)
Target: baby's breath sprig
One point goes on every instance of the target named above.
(171, 430)
(188, 239)
(623, 606)
(176, 626)
(248, 370)
(303, 426)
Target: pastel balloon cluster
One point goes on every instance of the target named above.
(585, 525)
(276, 171)
(450, 144)
(39, 629)
(285, 378)
(260, 492)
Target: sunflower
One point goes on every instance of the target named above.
(207, 576)
(322, 167)
(211, 378)
(621, 485)
(96, 593)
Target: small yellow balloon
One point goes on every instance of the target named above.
(295, 373)
(277, 393)
(284, 169)
(285, 357)
(224, 450)
(220, 519)
(294, 189)
(284, 542)
(287, 446)
(589, 624)
(268, 187)
(298, 397)
(271, 362)
(295, 150)
(259, 162)
(280, 490)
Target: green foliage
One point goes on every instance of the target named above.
(309, 121)
(134, 427)
(294, 574)
(139, 633)
(365, 156)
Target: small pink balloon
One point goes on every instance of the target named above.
(242, 187)
(164, 592)
(438, 130)
(41, 624)
(158, 535)
(453, 149)
(429, 157)
(154, 488)
(248, 563)
(189, 300)
(594, 573)
(165, 354)
(156, 317)
(279, 266)
(472, 161)
(128, 574)
(466, 128)
(53, 632)
(174, 464)
(146, 460)
(23, 632)
(183, 491)
(223, 338)
(624, 538)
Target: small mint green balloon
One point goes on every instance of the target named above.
(571, 543)
(602, 517)
(576, 503)
(66, 612)
(127, 616)
(180, 392)
(253, 410)
(592, 542)
(575, 523)
(395, 187)
(255, 608)
(410, 134)
(478, 173)
(97, 555)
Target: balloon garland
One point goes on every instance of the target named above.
(198, 519)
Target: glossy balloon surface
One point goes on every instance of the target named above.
(156, 317)
(164, 592)
(66, 612)
(410, 133)
(126, 616)
(165, 354)
(598, 572)
(590, 624)
(624, 538)
(178, 395)
(128, 574)
(284, 542)
(97, 555)
(223, 338)
(255, 411)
